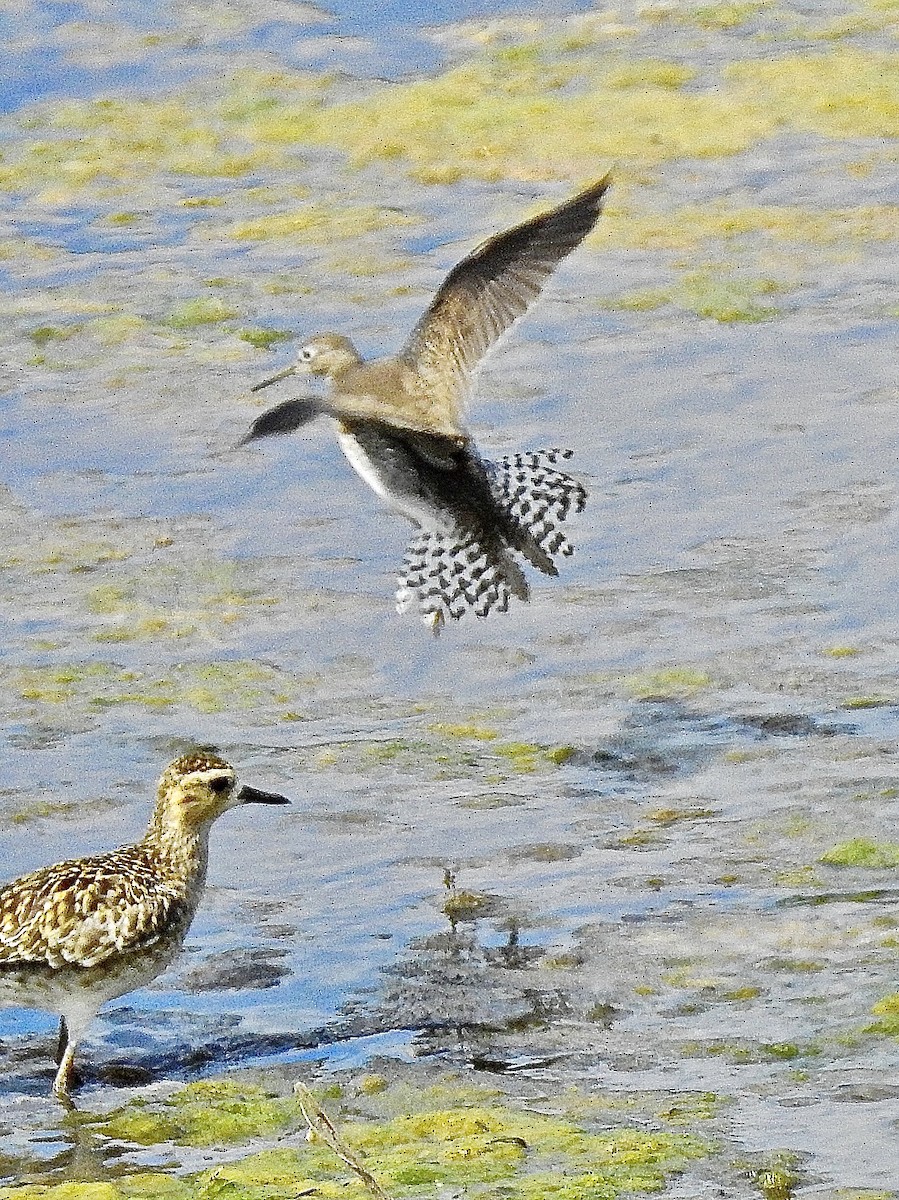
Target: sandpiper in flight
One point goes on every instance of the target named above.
(81, 932)
(400, 425)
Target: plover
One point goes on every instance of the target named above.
(400, 424)
(81, 932)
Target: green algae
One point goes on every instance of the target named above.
(320, 223)
(853, 702)
(650, 72)
(124, 141)
(40, 810)
(449, 751)
(491, 119)
(208, 1113)
(668, 683)
(117, 329)
(744, 227)
(450, 1134)
(205, 687)
(202, 310)
(464, 730)
(708, 294)
(776, 1176)
(863, 852)
(730, 14)
(887, 1012)
(44, 334)
(755, 1052)
(264, 339)
(844, 92)
(528, 110)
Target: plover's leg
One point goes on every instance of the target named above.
(63, 1040)
(65, 1073)
(63, 1080)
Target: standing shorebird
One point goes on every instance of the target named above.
(82, 932)
(400, 425)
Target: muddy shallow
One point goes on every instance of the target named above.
(637, 837)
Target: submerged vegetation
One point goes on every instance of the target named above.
(477, 1141)
(543, 101)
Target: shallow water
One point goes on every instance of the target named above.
(669, 785)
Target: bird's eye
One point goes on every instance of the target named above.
(307, 354)
(221, 783)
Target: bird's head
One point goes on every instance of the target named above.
(198, 787)
(326, 354)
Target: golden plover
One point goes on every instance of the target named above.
(400, 425)
(81, 932)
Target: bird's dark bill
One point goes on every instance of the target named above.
(257, 387)
(251, 795)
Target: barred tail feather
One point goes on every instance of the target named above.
(539, 497)
(446, 575)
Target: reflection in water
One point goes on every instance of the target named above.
(667, 738)
(57, 1146)
(465, 994)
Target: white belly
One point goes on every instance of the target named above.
(403, 492)
(362, 464)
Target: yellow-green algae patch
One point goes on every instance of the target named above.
(493, 118)
(668, 683)
(887, 1012)
(209, 1113)
(264, 339)
(711, 293)
(320, 223)
(413, 1140)
(729, 14)
(448, 751)
(740, 226)
(650, 72)
(531, 111)
(202, 310)
(863, 852)
(124, 140)
(845, 92)
(213, 687)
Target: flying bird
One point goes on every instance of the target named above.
(400, 423)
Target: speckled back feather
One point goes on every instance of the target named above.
(85, 911)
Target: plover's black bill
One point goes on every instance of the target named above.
(251, 795)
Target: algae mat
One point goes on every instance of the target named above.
(606, 886)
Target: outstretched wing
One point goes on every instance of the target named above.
(488, 291)
(84, 912)
(286, 417)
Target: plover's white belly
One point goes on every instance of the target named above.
(394, 475)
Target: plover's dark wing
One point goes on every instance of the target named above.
(488, 291)
(86, 911)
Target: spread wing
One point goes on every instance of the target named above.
(488, 291)
(82, 913)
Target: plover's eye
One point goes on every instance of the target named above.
(307, 354)
(221, 783)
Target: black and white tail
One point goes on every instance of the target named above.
(448, 574)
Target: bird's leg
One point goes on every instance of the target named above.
(65, 1058)
(63, 1040)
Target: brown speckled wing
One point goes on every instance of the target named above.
(487, 292)
(82, 913)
